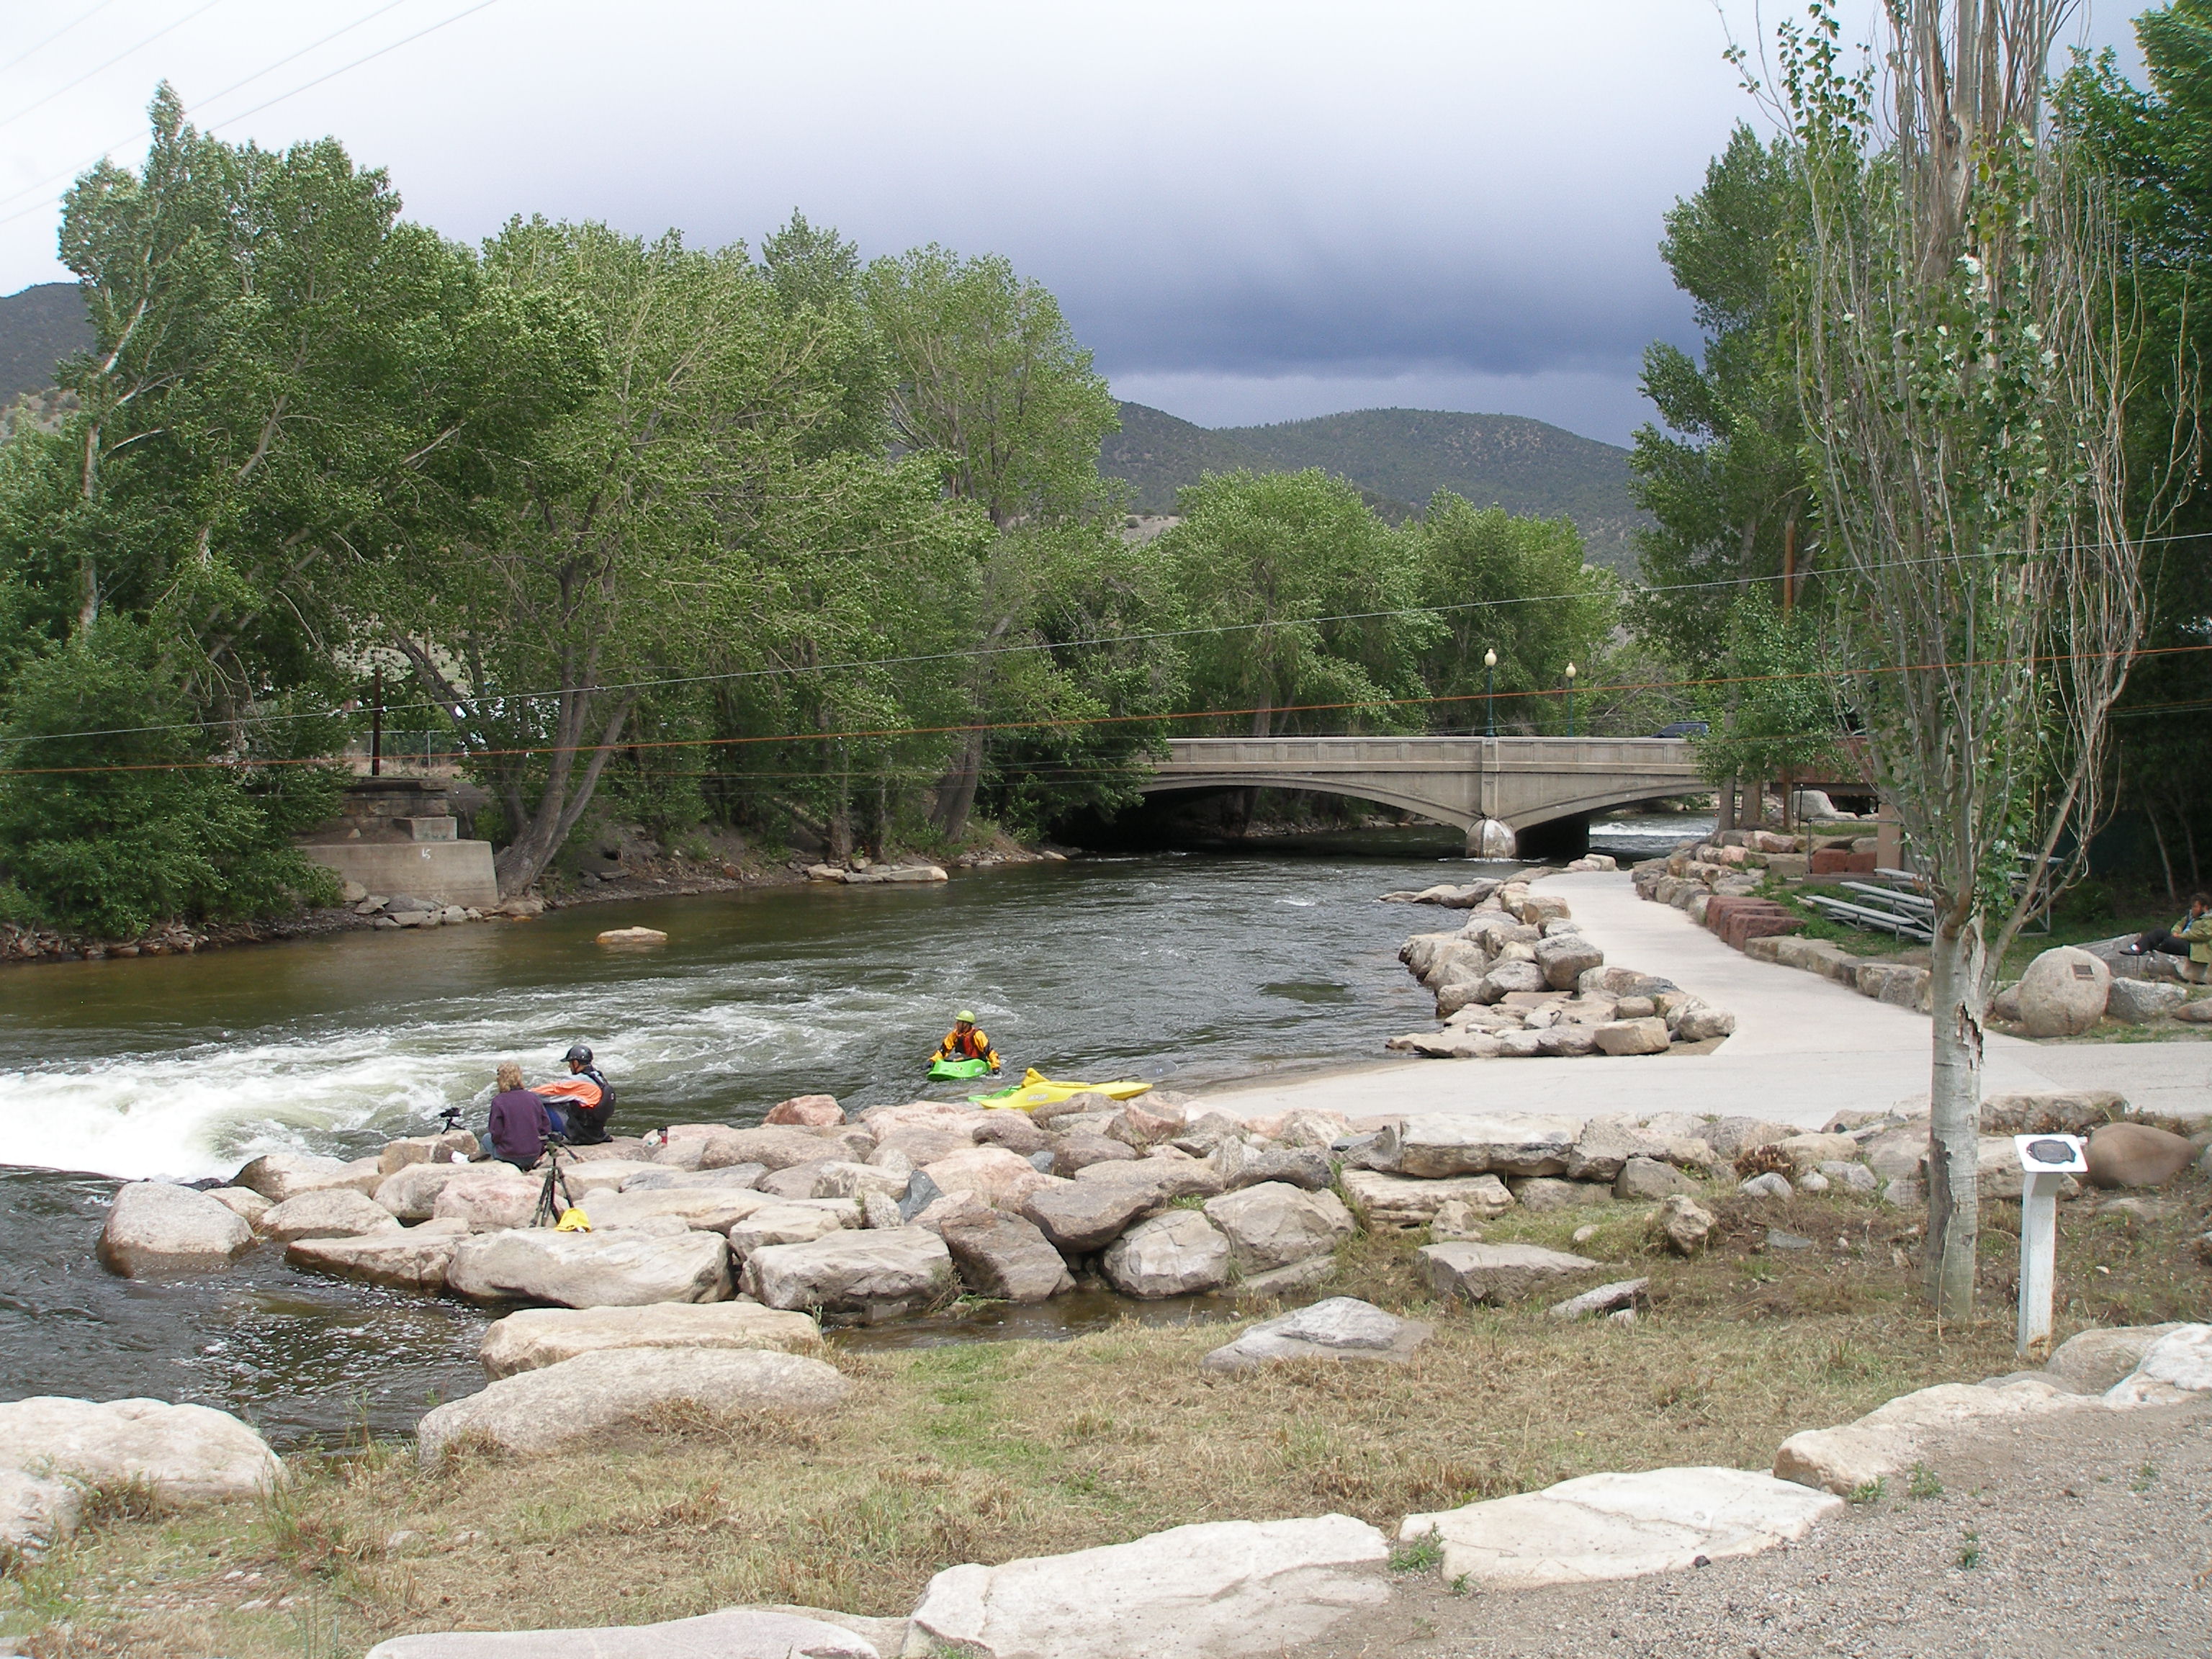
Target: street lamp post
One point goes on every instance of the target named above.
(1489, 692)
(1570, 700)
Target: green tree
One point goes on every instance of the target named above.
(2154, 143)
(273, 385)
(1517, 586)
(988, 380)
(1780, 717)
(1968, 390)
(1311, 600)
(635, 535)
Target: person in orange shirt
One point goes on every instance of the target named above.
(580, 1103)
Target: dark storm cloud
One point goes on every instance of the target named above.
(1234, 201)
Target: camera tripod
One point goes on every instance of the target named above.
(554, 1197)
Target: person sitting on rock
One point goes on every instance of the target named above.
(519, 1122)
(967, 1041)
(2182, 938)
(580, 1102)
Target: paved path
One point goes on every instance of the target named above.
(1804, 1047)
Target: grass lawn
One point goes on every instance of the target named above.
(987, 1451)
(1868, 942)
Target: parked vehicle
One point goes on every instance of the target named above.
(1683, 729)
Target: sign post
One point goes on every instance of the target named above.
(2045, 1161)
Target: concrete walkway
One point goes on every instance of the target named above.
(1804, 1047)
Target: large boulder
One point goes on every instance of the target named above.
(1891, 1439)
(1607, 1143)
(1000, 1178)
(2140, 1001)
(1223, 1589)
(1004, 1257)
(875, 1273)
(1643, 1179)
(54, 1449)
(710, 1209)
(777, 1146)
(536, 1337)
(2136, 1155)
(1476, 1143)
(242, 1202)
(1273, 1223)
(781, 1223)
(1341, 1328)
(1173, 1253)
(1014, 1130)
(411, 1191)
(1563, 958)
(1497, 1272)
(492, 1202)
(1086, 1215)
(1165, 1178)
(806, 1111)
(1648, 1035)
(2064, 992)
(157, 1227)
(403, 1258)
(732, 1633)
(1509, 977)
(1241, 1164)
(279, 1176)
(327, 1212)
(1619, 1526)
(592, 1396)
(1406, 1201)
(2091, 1361)
(2175, 1367)
(623, 1269)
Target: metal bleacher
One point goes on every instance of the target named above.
(1897, 908)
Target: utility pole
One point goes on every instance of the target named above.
(376, 726)
(1489, 692)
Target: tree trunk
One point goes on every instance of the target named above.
(1726, 795)
(956, 791)
(560, 804)
(1958, 998)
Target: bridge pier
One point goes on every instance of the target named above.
(1492, 838)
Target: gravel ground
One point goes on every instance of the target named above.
(2088, 1534)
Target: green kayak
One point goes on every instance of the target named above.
(958, 1071)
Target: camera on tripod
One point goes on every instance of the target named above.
(451, 1117)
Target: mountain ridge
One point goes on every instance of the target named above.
(1399, 457)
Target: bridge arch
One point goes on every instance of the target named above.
(1376, 794)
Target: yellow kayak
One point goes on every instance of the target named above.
(1035, 1090)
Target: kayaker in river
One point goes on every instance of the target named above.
(967, 1041)
(581, 1102)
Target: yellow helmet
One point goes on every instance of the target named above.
(965, 1017)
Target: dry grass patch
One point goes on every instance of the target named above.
(990, 1450)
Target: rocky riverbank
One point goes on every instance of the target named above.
(1519, 979)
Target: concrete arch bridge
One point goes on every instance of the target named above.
(1497, 790)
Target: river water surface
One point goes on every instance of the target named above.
(1186, 969)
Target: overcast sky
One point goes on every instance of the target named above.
(1250, 211)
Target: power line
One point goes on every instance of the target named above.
(1028, 647)
(44, 185)
(32, 52)
(9, 121)
(1051, 723)
(369, 58)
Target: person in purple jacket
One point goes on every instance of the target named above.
(519, 1121)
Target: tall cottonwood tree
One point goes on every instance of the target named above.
(1964, 309)
(988, 380)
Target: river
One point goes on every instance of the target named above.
(1189, 969)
